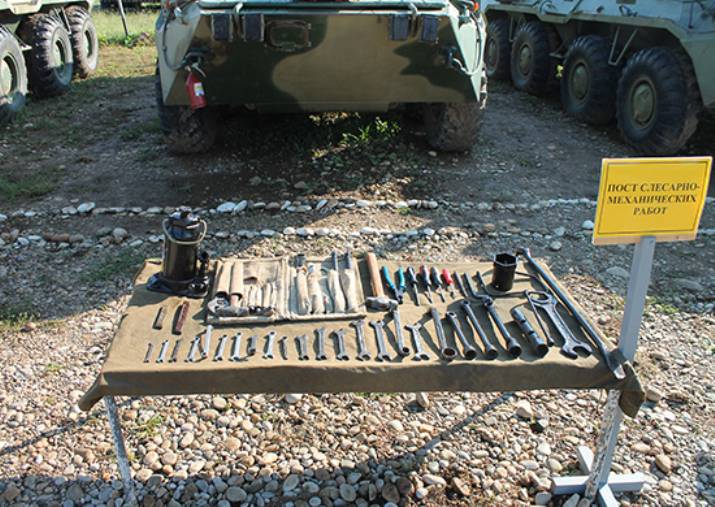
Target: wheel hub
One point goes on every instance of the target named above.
(8, 76)
(580, 81)
(61, 57)
(525, 59)
(643, 101)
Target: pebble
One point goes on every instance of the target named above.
(347, 492)
(524, 410)
(664, 463)
(292, 398)
(291, 483)
(618, 271)
(236, 494)
(433, 480)
(587, 225)
(555, 246)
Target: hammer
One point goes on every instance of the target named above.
(378, 300)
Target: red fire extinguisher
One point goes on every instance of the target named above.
(195, 89)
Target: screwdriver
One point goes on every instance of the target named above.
(424, 274)
(391, 284)
(413, 283)
(401, 285)
(437, 283)
(447, 278)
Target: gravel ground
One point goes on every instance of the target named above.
(67, 260)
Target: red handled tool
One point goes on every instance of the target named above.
(447, 279)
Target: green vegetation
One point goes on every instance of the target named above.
(123, 263)
(110, 30)
(378, 131)
(16, 186)
(149, 428)
(15, 317)
(53, 368)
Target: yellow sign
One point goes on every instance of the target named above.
(661, 197)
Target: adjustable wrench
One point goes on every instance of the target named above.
(363, 354)
(340, 341)
(382, 354)
(252, 345)
(162, 351)
(469, 351)
(402, 348)
(207, 342)
(302, 341)
(320, 342)
(547, 303)
(149, 348)
(490, 351)
(268, 351)
(175, 351)
(236, 348)
(536, 341)
(420, 354)
(218, 356)
(191, 358)
(447, 352)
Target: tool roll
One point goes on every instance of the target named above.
(246, 291)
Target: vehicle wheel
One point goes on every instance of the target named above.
(185, 130)
(454, 126)
(533, 69)
(49, 62)
(13, 77)
(85, 46)
(657, 101)
(498, 49)
(588, 82)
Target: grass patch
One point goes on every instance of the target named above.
(140, 25)
(18, 186)
(149, 428)
(122, 264)
(378, 131)
(53, 368)
(15, 317)
(137, 131)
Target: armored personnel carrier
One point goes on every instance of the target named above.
(648, 64)
(318, 56)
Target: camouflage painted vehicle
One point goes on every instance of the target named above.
(43, 45)
(306, 56)
(650, 64)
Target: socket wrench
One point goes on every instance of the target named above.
(490, 351)
(302, 342)
(535, 340)
(320, 344)
(447, 352)
(236, 348)
(420, 354)
(363, 354)
(547, 303)
(340, 343)
(469, 351)
(382, 354)
(270, 340)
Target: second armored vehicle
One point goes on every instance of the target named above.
(43, 44)
(648, 64)
(308, 56)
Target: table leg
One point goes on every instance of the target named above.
(121, 450)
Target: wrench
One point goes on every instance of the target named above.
(175, 351)
(382, 354)
(191, 358)
(460, 285)
(448, 352)
(547, 303)
(512, 345)
(490, 351)
(340, 341)
(402, 349)
(536, 341)
(283, 347)
(149, 348)
(302, 341)
(252, 345)
(420, 354)
(218, 356)
(320, 342)
(162, 351)
(363, 354)
(268, 351)
(469, 351)
(207, 342)
(236, 348)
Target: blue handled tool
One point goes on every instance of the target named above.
(390, 284)
(401, 284)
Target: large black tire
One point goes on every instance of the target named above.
(185, 130)
(497, 56)
(658, 101)
(49, 62)
(85, 46)
(13, 77)
(455, 126)
(588, 82)
(533, 69)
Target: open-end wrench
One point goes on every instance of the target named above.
(193, 349)
(469, 351)
(340, 342)
(320, 344)
(252, 345)
(207, 342)
(490, 351)
(402, 348)
(447, 352)
(302, 341)
(149, 348)
(283, 347)
(218, 356)
(547, 303)
(382, 354)
(268, 351)
(535, 340)
(175, 351)
(363, 354)
(162, 351)
(236, 348)
(420, 354)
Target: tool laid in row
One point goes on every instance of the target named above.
(338, 296)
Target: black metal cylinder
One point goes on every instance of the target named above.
(183, 231)
(503, 272)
